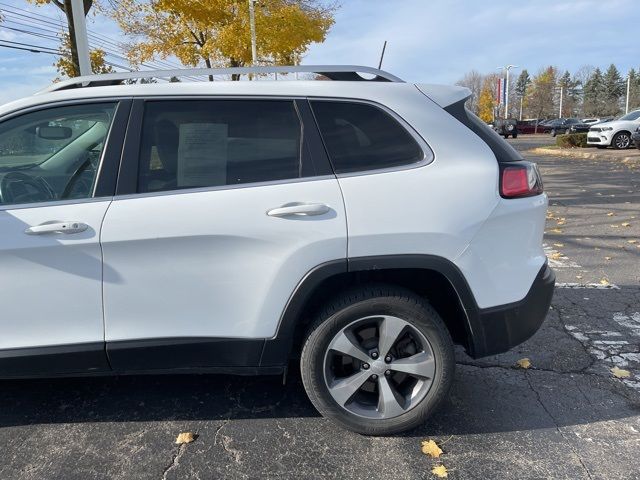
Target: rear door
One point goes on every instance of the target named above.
(224, 205)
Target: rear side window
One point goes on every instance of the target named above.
(209, 143)
(503, 151)
(361, 137)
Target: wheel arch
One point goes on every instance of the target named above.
(434, 277)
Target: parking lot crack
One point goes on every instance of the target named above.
(557, 426)
(175, 461)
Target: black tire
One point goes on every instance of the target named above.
(553, 132)
(618, 143)
(369, 301)
(515, 135)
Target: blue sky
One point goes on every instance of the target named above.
(429, 40)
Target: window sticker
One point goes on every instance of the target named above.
(202, 154)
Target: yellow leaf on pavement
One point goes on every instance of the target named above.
(555, 230)
(524, 363)
(559, 245)
(626, 224)
(431, 448)
(440, 471)
(620, 373)
(607, 258)
(604, 281)
(610, 214)
(185, 437)
(632, 241)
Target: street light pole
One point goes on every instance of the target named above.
(626, 108)
(252, 26)
(506, 89)
(82, 42)
(560, 112)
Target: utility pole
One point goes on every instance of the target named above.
(82, 42)
(626, 108)
(506, 89)
(521, 103)
(252, 26)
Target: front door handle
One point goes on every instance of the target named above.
(57, 227)
(299, 209)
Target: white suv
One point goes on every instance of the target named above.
(616, 133)
(360, 226)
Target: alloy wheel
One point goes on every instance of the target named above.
(379, 367)
(622, 141)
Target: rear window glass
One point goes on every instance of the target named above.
(503, 151)
(362, 137)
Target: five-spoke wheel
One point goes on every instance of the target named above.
(378, 360)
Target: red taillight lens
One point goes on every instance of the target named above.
(519, 180)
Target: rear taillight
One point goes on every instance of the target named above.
(519, 179)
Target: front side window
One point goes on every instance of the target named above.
(361, 137)
(52, 154)
(210, 143)
(631, 116)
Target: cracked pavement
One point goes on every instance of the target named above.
(565, 417)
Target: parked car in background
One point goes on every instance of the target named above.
(585, 126)
(616, 133)
(636, 138)
(506, 127)
(561, 125)
(528, 126)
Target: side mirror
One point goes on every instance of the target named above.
(53, 133)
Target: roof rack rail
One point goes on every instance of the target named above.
(333, 72)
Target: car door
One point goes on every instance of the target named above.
(52, 203)
(223, 206)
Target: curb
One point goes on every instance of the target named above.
(576, 153)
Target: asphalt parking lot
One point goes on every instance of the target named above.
(565, 417)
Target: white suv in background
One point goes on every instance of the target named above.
(358, 227)
(616, 133)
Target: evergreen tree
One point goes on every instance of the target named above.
(570, 95)
(593, 94)
(613, 91)
(521, 88)
(634, 89)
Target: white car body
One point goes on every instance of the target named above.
(210, 265)
(603, 134)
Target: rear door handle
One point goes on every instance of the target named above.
(57, 227)
(299, 209)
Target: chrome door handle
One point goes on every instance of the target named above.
(299, 209)
(57, 227)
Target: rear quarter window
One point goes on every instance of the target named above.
(360, 137)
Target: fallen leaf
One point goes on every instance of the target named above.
(626, 224)
(440, 471)
(632, 241)
(607, 258)
(610, 214)
(555, 230)
(620, 373)
(604, 281)
(555, 256)
(524, 363)
(559, 245)
(561, 222)
(431, 448)
(185, 437)
(578, 277)
(615, 226)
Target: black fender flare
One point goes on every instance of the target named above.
(277, 350)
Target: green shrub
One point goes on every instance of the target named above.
(572, 140)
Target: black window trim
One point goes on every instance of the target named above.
(105, 184)
(311, 160)
(428, 155)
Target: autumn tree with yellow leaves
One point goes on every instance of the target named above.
(217, 33)
(486, 102)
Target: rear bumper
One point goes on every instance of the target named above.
(500, 328)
